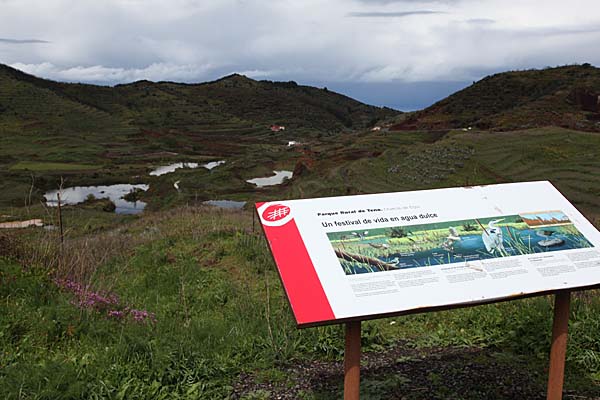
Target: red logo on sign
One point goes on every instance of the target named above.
(275, 212)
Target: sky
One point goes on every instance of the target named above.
(404, 54)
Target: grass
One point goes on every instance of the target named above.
(218, 306)
(49, 166)
(220, 311)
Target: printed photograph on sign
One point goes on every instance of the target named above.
(546, 218)
(426, 245)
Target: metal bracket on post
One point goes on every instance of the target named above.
(352, 361)
(558, 351)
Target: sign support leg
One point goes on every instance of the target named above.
(352, 361)
(558, 350)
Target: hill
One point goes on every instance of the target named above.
(92, 134)
(230, 103)
(567, 96)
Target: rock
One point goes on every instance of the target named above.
(586, 98)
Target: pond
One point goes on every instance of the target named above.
(276, 179)
(167, 169)
(213, 164)
(115, 193)
(231, 204)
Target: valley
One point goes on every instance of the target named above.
(187, 299)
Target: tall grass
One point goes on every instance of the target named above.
(205, 276)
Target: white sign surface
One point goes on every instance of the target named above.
(375, 255)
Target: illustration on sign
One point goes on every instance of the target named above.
(427, 245)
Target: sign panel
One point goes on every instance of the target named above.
(359, 257)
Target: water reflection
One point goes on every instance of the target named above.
(167, 169)
(213, 164)
(271, 180)
(115, 193)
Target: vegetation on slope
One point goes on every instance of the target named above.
(563, 96)
(231, 103)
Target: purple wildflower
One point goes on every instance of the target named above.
(142, 316)
(85, 298)
(115, 314)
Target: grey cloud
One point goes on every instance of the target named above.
(111, 75)
(535, 32)
(560, 31)
(392, 14)
(406, 1)
(481, 21)
(22, 41)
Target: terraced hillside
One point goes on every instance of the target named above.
(412, 160)
(569, 159)
(564, 96)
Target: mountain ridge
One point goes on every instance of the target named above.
(233, 100)
(518, 100)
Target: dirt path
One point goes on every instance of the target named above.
(21, 224)
(409, 374)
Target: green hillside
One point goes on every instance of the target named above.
(563, 96)
(231, 103)
(27, 104)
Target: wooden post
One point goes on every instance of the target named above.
(556, 373)
(352, 361)
(60, 223)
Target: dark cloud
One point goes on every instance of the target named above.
(392, 14)
(405, 96)
(22, 41)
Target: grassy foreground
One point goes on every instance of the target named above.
(186, 303)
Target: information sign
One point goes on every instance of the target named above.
(368, 256)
